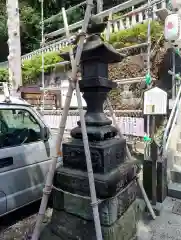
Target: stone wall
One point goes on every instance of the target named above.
(129, 96)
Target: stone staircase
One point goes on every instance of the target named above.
(174, 160)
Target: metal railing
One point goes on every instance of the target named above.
(172, 119)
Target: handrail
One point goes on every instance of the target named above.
(172, 119)
(67, 10)
(103, 14)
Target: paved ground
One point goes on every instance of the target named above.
(166, 226)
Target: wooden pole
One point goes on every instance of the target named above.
(14, 58)
(49, 180)
(145, 197)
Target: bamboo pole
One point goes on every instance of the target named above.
(145, 197)
(49, 180)
(94, 201)
(85, 142)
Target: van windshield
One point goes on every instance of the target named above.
(18, 127)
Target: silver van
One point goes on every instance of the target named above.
(26, 147)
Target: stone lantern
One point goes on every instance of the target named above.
(115, 177)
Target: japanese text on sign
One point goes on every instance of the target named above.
(131, 126)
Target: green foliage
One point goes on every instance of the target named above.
(3, 28)
(72, 17)
(136, 34)
(3, 21)
(116, 16)
(31, 69)
(3, 74)
(30, 28)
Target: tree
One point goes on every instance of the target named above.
(30, 28)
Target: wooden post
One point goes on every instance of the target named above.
(14, 58)
(108, 29)
(153, 156)
(99, 6)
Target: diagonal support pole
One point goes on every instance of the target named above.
(49, 180)
(145, 197)
(94, 201)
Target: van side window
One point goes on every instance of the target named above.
(18, 127)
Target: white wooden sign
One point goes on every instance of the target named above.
(155, 102)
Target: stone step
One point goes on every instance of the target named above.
(179, 146)
(171, 103)
(177, 158)
(174, 190)
(175, 176)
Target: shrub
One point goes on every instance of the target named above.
(136, 34)
(31, 69)
(4, 74)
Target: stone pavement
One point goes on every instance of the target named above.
(166, 226)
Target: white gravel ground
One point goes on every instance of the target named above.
(20, 228)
